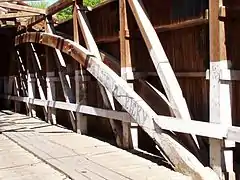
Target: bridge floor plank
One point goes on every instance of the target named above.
(16, 163)
(76, 156)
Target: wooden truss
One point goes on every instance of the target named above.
(106, 70)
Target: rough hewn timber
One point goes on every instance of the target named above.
(163, 67)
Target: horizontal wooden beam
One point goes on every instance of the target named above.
(181, 25)
(58, 6)
(122, 116)
(16, 15)
(16, 0)
(54, 8)
(227, 75)
(230, 75)
(158, 29)
(3, 10)
(22, 8)
(206, 129)
(34, 20)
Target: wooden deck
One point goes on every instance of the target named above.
(69, 155)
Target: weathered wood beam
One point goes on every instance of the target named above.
(130, 131)
(58, 6)
(168, 123)
(92, 47)
(220, 93)
(34, 20)
(79, 80)
(39, 78)
(184, 161)
(22, 73)
(22, 8)
(16, 15)
(16, 91)
(3, 10)
(30, 83)
(52, 9)
(158, 29)
(163, 67)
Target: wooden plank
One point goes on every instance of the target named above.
(181, 25)
(139, 110)
(22, 8)
(79, 166)
(16, 15)
(92, 47)
(130, 137)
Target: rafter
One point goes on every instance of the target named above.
(22, 8)
(57, 6)
(16, 15)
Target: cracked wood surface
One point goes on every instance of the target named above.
(88, 159)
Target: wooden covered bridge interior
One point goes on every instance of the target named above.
(130, 89)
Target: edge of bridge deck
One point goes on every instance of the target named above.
(79, 156)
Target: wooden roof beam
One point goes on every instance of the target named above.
(16, 15)
(22, 8)
(58, 6)
(3, 10)
(54, 8)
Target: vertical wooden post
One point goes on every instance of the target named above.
(129, 139)
(5, 90)
(23, 77)
(220, 92)
(10, 84)
(79, 80)
(214, 99)
(226, 119)
(31, 93)
(16, 93)
(39, 78)
(51, 96)
(51, 92)
(107, 97)
(64, 77)
(30, 83)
